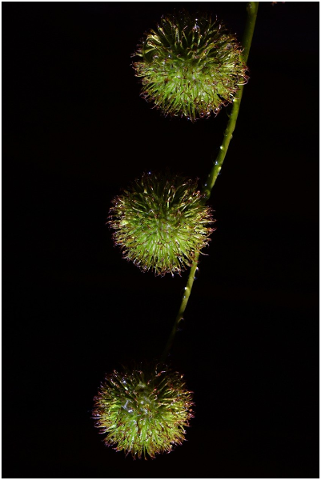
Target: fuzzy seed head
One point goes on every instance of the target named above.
(143, 412)
(160, 223)
(189, 67)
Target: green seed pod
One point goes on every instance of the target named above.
(189, 66)
(143, 412)
(160, 223)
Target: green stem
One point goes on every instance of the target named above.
(252, 8)
(182, 308)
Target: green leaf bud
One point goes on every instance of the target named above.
(143, 412)
(160, 223)
(189, 66)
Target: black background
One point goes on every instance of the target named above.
(75, 131)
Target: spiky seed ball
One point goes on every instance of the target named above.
(189, 66)
(160, 223)
(143, 412)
